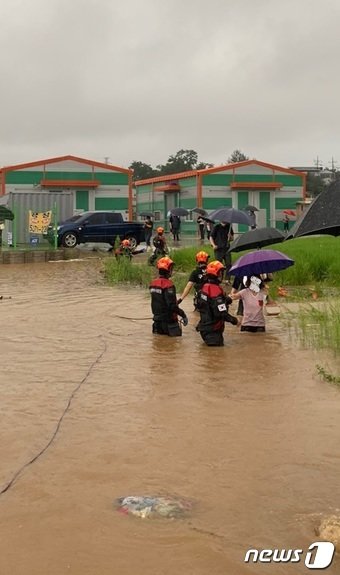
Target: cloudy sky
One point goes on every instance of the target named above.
(139, 80)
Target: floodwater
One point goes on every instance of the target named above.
(94, 407)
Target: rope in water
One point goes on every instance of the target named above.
(58, 425)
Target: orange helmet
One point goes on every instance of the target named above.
(160, 230)
(126, 243)
(165, 264)
(214, 268)
(202, 257)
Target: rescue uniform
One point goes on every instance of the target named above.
(124, 252)
(197, 277)
(159, 243)
(213, 308)
(165, 308)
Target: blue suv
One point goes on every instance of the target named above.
(96, 226)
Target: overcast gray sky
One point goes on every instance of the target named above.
(142, 79)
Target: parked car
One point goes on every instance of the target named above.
(96, 226)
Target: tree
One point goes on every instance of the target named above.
(314, 185)
(203, 166)
(182, 161)
(237, 156)
(142, 171)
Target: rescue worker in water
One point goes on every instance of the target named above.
(213, 306)
(196, 278)
(164, 302)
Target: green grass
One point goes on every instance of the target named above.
(123, 271)
(320, 327)
(317, 265)
(324, 374)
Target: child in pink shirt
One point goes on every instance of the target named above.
(253, 298)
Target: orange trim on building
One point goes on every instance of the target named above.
(232, 167)
(71, 183)
(65, 158)
(168, 188)
(166, 178)
(270, 185)
(248, 163)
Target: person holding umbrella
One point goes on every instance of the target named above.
(175, 226)
(286, 221)
(220, 238)
(201, 227)
(213, 306)
(253, 297)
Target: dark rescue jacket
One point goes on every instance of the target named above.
(164, 301)
(160, 243)
(213, 307)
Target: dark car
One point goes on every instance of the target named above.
(97, 226)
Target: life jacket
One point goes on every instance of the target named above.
(123, 251)
(213, 307)
(163, 300)
(200, 277)
(159, 243)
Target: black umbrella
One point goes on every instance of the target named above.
(200, 211)
(250, 209)
(179, 212)
(6, 213)
(256, 239)
(231, 216)
(321, 217)
(146, 214)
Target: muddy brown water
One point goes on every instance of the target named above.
(248, 432)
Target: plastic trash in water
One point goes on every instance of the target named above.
(152, 507)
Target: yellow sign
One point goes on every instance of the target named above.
(39, 221)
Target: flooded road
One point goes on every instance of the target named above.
(94, 407)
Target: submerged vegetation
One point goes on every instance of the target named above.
(328, 376)
(320, 327)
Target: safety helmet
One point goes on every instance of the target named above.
(214, 268)
(202, 257)
(165, 263)
(126, 243)
(160, 230)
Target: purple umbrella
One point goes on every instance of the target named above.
(260, 262)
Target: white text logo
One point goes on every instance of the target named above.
(318, 556)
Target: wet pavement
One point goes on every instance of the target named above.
(94, 407)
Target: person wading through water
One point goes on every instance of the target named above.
(164, 302)
(160, 246)
(196, 278)
(213, 306)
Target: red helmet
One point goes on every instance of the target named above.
(126, 243)
(165, 264)
(214, 268)
(202, 257)
(160, 230)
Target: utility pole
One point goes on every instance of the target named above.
(106, 159)
(318, 164)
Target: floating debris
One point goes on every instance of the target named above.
(329, 530)
(152, 507)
